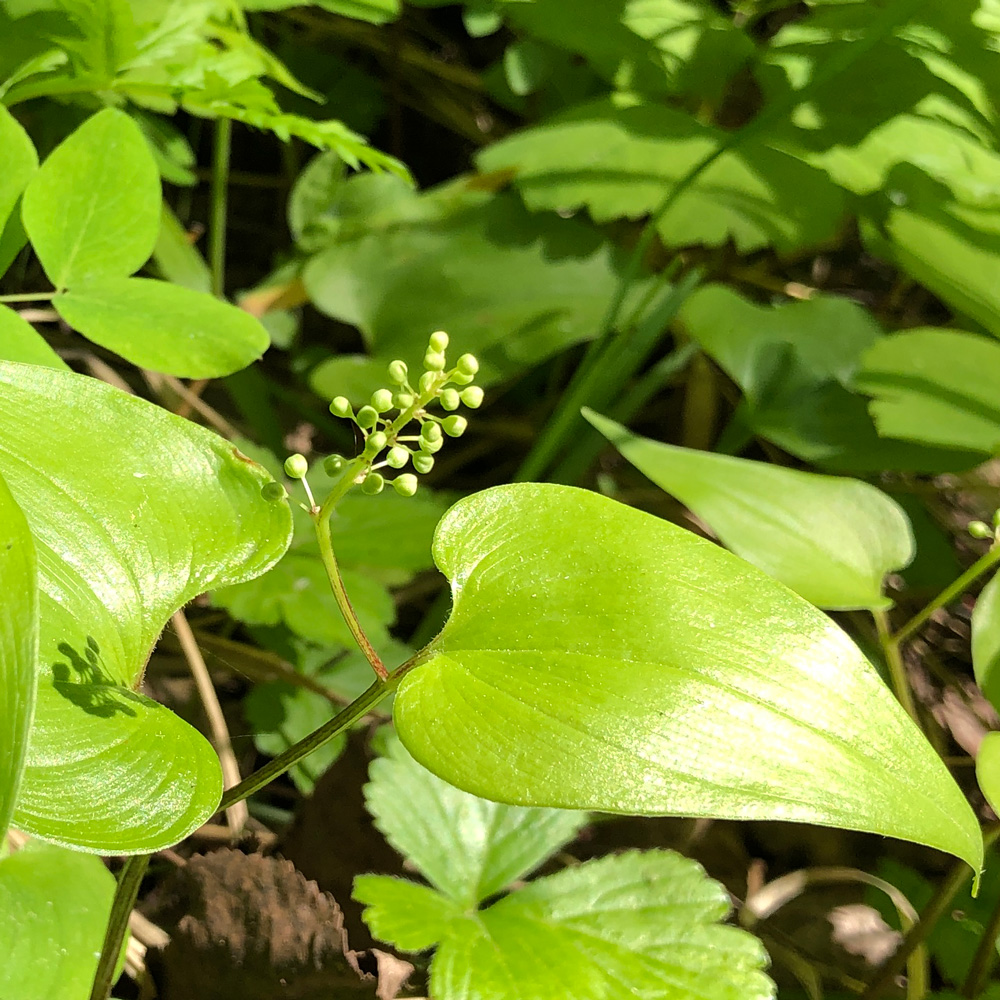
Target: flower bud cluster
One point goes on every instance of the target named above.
(980, 529)
(384, 421)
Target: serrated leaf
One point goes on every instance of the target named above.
(19, 341)
(597, 657)
(93, 209)
(830, 539)
(18, 648)
(54, 906)
(620, 162)
(635, 924)
(986, 640)
(414, 917)
(134, 512)
(164, 327)
(466, 847)
(935, 386)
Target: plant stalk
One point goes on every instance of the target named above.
(126, 893)
(341, 722)
(219, 205)
(953, 590)
(894, 660)
(985, 956)
(29, 297)
(931, 914)
(343, 601)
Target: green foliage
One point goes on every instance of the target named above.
(634, 923)
(18, 647)
(575, 635)
(986, 640)
(92, 211)
(54, 905)
(130, 524)
(830, 539)
(167, 56)
(518, 287)
(619, 160)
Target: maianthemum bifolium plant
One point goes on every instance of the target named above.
(595, 658)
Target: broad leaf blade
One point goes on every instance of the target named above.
(599, 658)
(988, 768)
(54, 906)
(18, 647)
(19, 341)
(134, 512)
(165, 327)
(467, 847)
(93, 209)
(830, 539)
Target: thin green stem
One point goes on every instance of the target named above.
(340, 723)
(985, 956)
(932, 913)
(29, 297)
(894, 661)
(953, 590)
(126, 893)
(343, 601)
(219, 205)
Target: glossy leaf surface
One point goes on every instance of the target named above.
(93, 209)
(635, 924)
(165, 327)
(18, 647)
(54, 906)
(597, 657)
(134, 512)
(830, 539)
(465, 846)
(986, 640)
(935, 386)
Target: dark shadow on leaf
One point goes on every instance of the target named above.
(83, 680)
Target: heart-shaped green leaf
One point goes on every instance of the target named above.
(54, 906)
(134, 512)
(597, 657)
(18, 647)
(165, 327)
(93, 209)
(830, 539)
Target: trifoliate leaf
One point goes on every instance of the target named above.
(466, 847)
(635, 924)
